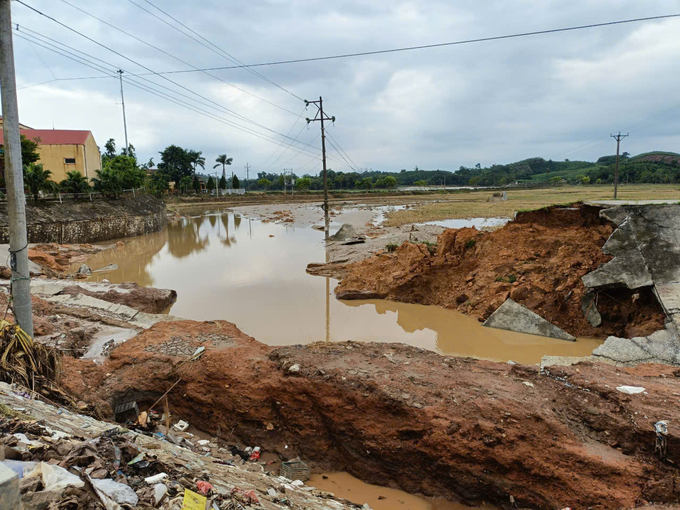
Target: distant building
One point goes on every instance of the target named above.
(21, 126)
(64, 150)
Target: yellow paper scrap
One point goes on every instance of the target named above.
(193, 501)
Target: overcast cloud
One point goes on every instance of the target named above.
(556, 96)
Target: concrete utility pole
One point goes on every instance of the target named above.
(618, 139)
(247, 167)
(122, 97)
(20, 285)
(320, 116)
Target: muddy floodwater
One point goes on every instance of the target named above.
(252, 273)
(344, 485)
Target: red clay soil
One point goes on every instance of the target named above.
(400, 416)
(537, 260)
(144, 299)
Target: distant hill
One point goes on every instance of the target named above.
(658, 157)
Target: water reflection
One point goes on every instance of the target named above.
(260, 284)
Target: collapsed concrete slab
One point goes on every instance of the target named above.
(660, 347)
(514, 317)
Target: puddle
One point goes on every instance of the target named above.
(478, 223)
(344, 485)
(253, 274)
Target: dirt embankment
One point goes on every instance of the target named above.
(537, 260)
(401, 416)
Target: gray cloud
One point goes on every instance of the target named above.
(552, 96)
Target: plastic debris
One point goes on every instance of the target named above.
(159, 492)
(156, 478)
(55, 478)
(118, 492)
(630, 390)
(180, 426)
(203, 487)
(661, 444)
(247, 497)
(256, 454)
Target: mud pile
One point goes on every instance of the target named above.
(537, 260)
(396, 415)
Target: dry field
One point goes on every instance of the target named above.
(475, 204)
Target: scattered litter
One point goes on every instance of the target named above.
(256, 454)
(203, 487)
(630, 390)
(118, 492)
(156, 478)
(181, 426)
(295, 470)
(199, 352)
(159, 492)
(661, 445)
(527, 383)
(247, 497)
(55, 478)
(193, 501)
(294, 369)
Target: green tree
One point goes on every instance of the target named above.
(365, 183)
(185, 184)
(263, 183)
(222, 160)
(303, 183)
(176, 163)
(37, 179)
(211, 183)
(110, 147)
(423, 182)
(555, 180)
(129, 175)
(29, 150)
(234, 182)
(196, 184)
(159, 184)
(223, 182)
(387, 181)
(75, 182)
(108, 181)
(196, 160)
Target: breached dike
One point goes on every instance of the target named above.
(514, 317)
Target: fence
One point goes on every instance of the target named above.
(60, 197)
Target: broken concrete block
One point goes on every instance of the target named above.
(589, 308)
(9, 488)
(662, 346)
(628, 269)
(345, 233)
(514, 317)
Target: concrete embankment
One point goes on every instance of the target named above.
(88, 222)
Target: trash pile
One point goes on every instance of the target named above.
(30, 364)
(102, 465)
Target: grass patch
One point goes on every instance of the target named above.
(391, 247)
(8, 412)
(470, 244)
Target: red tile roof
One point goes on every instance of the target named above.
(55, 136)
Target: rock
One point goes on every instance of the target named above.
(630, 390)
(84, 270)
(110, 267)
(589, 308)
(5, 273)
(514, 317)
(319, 227)
(345, 233)
(294, 369)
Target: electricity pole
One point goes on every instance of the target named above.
(618, 139)
(247, 167)
(20, 284)
(122, 97)
(320, 116)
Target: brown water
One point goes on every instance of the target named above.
(224, 266)
(344, 485)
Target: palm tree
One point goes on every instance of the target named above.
(197, 160)
(223, 160)
(37, 179)
(75, 182)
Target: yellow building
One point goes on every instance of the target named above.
(64, 150)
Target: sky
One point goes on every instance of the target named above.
(555, 96)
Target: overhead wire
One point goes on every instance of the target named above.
(147, 68)
(163, 95)
(341, 151)
(219, 51)
(435, 45)
(175, 57)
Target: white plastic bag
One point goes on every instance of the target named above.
(55, 478)
(119, 492)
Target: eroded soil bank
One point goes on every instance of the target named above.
(400, 416)
(537, 260)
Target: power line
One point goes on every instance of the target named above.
(340, 150)
(147, 68)
(156, 84)
(284, 150)
(62, 79)
(436, 45)
(155, 92)
(287, 134)
(174, 57)
(221, 52)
